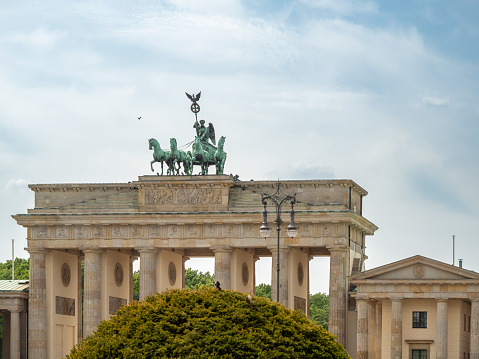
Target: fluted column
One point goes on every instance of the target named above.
(372, 329)
(37, 306)
(362, 329)
(338, 292)
(79, 306)
(396, 328)
(130, 271)
(255, 259)
(15, 334)
(92, 292)
(283, 274)
(474, 328)
(147, 272)
(441, 329)
(222, 266)
(183, 271)
(379, 328)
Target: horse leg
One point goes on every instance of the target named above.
(151, 165)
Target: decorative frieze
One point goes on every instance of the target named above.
(183, 196)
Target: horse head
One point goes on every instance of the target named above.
(221, 142)
(151, 142)
(173, 144)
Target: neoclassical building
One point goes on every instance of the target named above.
(164, 221)
(417, 308)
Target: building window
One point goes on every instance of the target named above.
(419, 319)
(419, 354)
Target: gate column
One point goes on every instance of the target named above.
(92, 293)
(338, 292)
(37, 328)
(222, 266)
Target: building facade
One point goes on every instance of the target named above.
(164, 221)
(417, 308)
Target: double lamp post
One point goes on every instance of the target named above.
(277, 199)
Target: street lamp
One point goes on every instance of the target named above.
(277, 199)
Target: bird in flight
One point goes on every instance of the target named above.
(139, 118)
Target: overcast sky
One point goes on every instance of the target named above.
(381, 92)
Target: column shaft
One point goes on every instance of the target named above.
(14, 334)
(183, 271)
(338, 292)
(362, 329)
(79, 307)
(92, 292)
(283, 274)
(37, 306)
(441, 329)
(147, 272)
(396, 328)
(372, 329)
(474, 328)
(222, 267)
(379, 328)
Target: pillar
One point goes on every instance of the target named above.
(474, 328)
(130, 276)
(338, 292)
(79, 307)
(379, 329)
(362, 329)
(372, 329)
(283, 274)
(441, 329)
(15, 334)
(37, 306)
(396, 328)
(92, 292)
(6, 335)
(147, 272)
(222, 266)
(183, 271)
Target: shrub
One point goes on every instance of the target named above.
(206, 323)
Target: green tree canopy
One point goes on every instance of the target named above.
(263, 290)
(195, 279)
(319, 309)
(207, 323)
(22, 269)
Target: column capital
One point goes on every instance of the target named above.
(39, 250)
(441, 300)
(147, 250)
(282, 248)
(395, 299)
(184, 259)
(220, 249)
(474, 300)
(91, 250)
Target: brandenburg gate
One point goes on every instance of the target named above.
(165, 220)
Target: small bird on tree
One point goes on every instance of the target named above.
(249, 300)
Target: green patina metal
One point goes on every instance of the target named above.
(203, 153)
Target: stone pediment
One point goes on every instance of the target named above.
(416, 268)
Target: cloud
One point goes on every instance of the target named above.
(435, 101)
(17, 185)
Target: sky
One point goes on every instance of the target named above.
(381, 92)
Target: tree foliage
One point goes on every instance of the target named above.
(195, 279)
(263, 290)
(206, 323)
(22, 269)
(319, 309)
